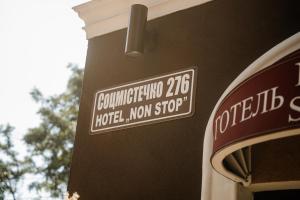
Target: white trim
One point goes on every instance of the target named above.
(283, 185)
(105, 16)
(220, 155)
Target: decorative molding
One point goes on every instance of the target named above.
(284, 185)
(104, 16)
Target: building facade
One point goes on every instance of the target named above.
(207, 106)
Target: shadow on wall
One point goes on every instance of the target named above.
(278, 195)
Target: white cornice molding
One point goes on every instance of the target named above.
(104, 16)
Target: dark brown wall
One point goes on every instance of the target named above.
(276, 160)
(163, 161)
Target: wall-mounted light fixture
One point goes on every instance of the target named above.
(136, 30)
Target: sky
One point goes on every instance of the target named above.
(38, 38)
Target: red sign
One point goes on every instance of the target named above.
(267, 102)
(152, 100)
